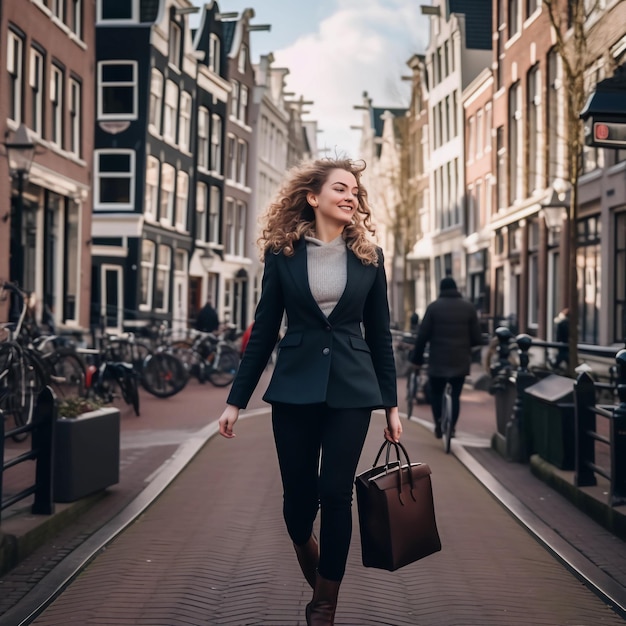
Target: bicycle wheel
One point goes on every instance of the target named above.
(66, 373)
(224, 367)
(446, 420)
(132, 352)
(129, 387)
(411, 391)
(163, 375)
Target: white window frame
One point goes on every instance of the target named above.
(242, 58)
(15, 68)
(243, 104)
(170, 111)
(148, 257)
(132, 84)
(130, 175)
(168, 198)
(58, 9)
(203, 138)
(242, 162)
(216, 143)
(156, 101)
(182, 195)
(175, 45)
(214, 53)
(240, 237)
(234, 99)
(214, 214)
(231, 147)
(229, 226)
(77, 18)
(184, 121)
(164, 270)
(151, 206)
(201, 212)
(36, 83)
(75, 113)
(56, 101)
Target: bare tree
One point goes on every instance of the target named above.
(568, 19)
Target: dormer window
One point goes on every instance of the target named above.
(242, 59)
(175, 45)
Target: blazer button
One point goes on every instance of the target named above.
(326, 351)
(327, 328)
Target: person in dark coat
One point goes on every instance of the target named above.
(562, 336)
(207, 320)
(451, 328)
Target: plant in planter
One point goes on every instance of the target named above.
(86, 448)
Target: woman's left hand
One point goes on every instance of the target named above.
(394, 426)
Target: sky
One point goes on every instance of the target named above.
(336, 50)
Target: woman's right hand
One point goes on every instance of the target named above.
(227, 421)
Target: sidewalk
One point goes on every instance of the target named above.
(212, 549)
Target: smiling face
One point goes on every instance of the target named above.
(336, 202)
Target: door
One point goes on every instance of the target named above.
(179, 320)
(112, 298)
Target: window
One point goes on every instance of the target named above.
(229, 226)
(234, 98)
(184, 129)
(535, 131)
(115, 170)
(479, 132)
(168, 179)
(117, 10)
(182, 193)
(117, 96)
(232, 157)
(56, 99)
(214, 53)
(16, 76)
(162, 283)
(175, 45)
(240, 239)
(75, 117)
(35, 80)
(242, 163)
(471, 143)
(216, 144)
(487, 127)
(514, 17)
(619, 281)
(516, 144)
(203, 138)
(71, 266)
(242, 59)
(147, 273)
(171, 111)
(501, 197)
(533, 273)
(77, 18)
(243, 104)
(58, 7)
(532, 6)
(156, 100)
(151, 208)
(201, 212)
(589, 270)
(214, 215)
(554, 84)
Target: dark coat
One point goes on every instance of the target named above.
(450, 326)
(321, 359)
(207, 320)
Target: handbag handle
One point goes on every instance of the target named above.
(398, 446)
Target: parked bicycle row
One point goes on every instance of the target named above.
(113, 366)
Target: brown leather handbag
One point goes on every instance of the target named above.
(396, 512)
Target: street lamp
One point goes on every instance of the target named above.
(554, 208)
(20, 153)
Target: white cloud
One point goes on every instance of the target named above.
(364, 46)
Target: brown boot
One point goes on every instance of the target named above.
(321, 610)
(308, 557)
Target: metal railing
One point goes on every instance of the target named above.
(42, 437)
(588, 435)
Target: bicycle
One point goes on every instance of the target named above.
(208, 357)
(417, 389)
(447, 427)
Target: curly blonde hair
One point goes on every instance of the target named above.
(289, 217)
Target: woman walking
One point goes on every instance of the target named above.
(335, 362)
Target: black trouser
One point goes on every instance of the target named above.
(437, 387)
(301, 433)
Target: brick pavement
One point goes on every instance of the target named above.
(260, 530)
(212, 551)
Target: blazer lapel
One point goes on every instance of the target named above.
(355, 275)
(297, 265)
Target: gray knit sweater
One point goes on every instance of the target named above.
(327, 270)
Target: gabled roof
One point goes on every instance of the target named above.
(377, 122)
(477, 13)
(229, 34)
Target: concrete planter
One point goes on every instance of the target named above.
(86, 454)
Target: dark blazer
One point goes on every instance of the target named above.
(321, 359)
(451, 328)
